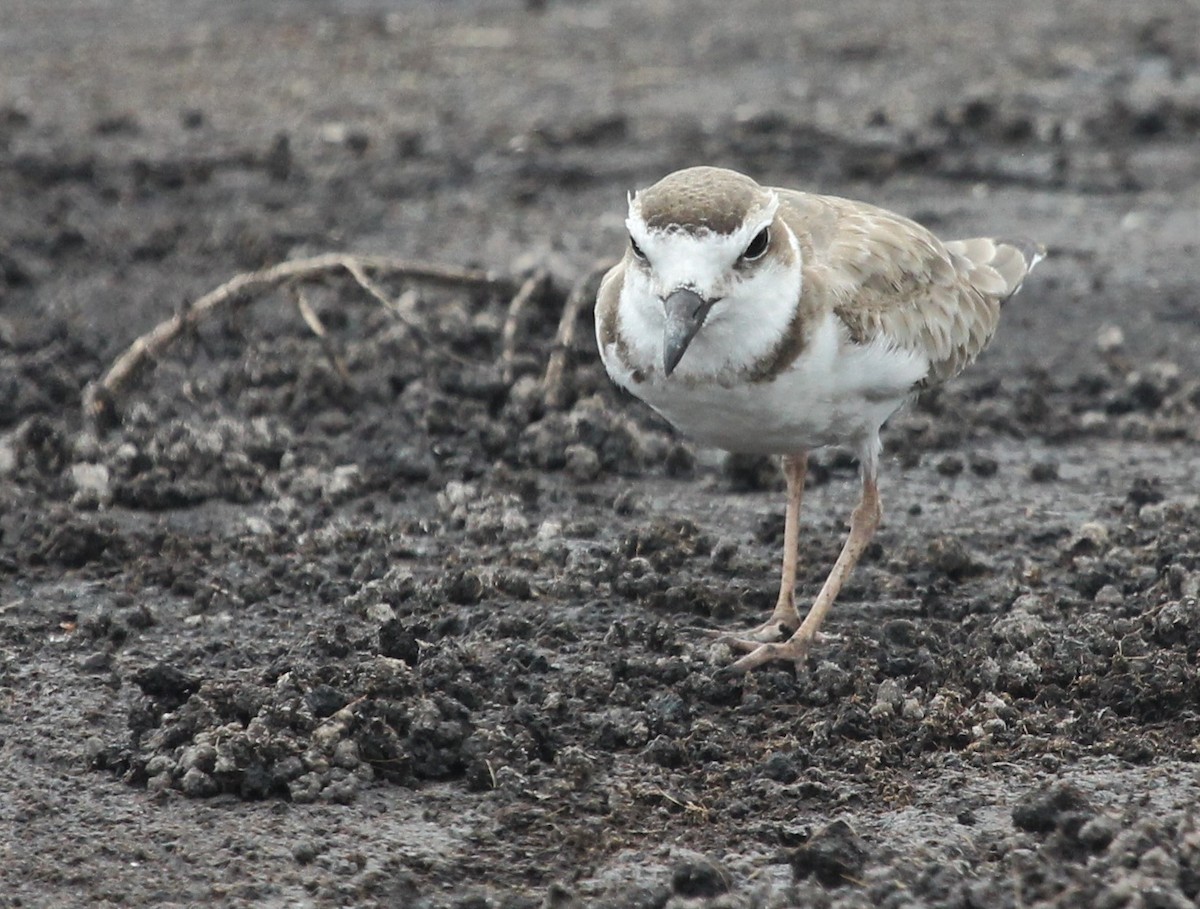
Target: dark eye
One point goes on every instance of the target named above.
(758, 245)
(637, 250)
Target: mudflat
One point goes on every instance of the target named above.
(388, 618)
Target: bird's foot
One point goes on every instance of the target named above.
(795, 649)
(772, 630)
(780, 626)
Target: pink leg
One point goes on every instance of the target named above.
(863, 523)
(784, 618)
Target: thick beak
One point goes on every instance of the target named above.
(685, 311)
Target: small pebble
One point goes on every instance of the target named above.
(96, 662)
(342, 482)
(305, 852)
(834, 855)
(1092, 537)
(950, 466)
(1097, 833)
(724, 555)
(700, 877)
(583, 464)
(305, 789)
(1110, 338)
(345, 754)
(1044, 808)
(628, 503)
(198, 784)
(911, 709)
(983, 466)
(159, 782)
(1044, 472)
(92, 485)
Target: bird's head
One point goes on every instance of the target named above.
(712, 266)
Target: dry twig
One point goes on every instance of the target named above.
(98, 396)
(533, 287)
(582, 295)
(393, 308)
(313, 321)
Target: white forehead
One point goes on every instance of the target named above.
(702, 247)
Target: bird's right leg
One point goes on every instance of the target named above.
(785, 619)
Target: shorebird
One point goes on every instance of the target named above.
(772, 321)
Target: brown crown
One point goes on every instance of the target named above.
(701, 198)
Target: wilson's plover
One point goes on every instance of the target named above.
(773, 321)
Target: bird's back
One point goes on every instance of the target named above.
(890, 279)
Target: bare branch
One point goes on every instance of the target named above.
(534, 285)
(98, 396)
(582, 295)
(313, 321)
(392, 307)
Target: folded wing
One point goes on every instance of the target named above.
(891, 281)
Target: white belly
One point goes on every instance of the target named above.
(775, 418)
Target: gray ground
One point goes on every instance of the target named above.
(423, 639)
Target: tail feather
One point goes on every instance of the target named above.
(998, 267)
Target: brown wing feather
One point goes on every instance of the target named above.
(884, 275)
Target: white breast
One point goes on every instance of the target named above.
(836, 393)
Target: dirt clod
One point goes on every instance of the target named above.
(1058, 805)
(834, 855)
(700, 877)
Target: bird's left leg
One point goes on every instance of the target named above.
(863, 523)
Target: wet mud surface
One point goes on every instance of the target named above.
(394, 628)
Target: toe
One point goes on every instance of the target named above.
(768, 632)
(746, 645)
(792, 650)
(760, 655)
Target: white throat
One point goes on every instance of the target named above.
(753, 311)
